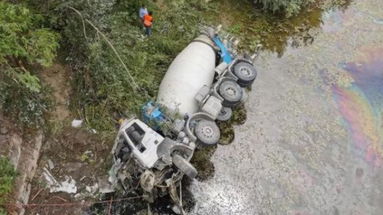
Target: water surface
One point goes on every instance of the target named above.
(313, 141)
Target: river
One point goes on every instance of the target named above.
(313, 139)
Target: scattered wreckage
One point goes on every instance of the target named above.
(203, 83)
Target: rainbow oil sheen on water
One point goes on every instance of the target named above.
(361, 104)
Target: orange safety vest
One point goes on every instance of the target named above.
(148, 20)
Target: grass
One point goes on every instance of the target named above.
(7, 177)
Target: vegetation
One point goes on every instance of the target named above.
(7, 176)
(24, 43)
(288, 7)
(102, 88)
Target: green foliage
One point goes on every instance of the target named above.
(31, 82)
(21, 96)
(289, 7)
(21, 37)
(102, 87)
(23, 43)
(7, 177)
(2, 212)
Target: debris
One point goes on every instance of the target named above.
(104, 186)
(86, 156)
(50, 164)
(38, 192)
(76, 123)
(92, 189)
(67, 186)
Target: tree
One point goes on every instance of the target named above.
(23, 42)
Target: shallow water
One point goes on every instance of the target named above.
(313, 139)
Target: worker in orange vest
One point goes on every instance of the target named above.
(148, 22)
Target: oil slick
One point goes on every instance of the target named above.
(361, 104)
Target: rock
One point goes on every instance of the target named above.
(26, 155)
(15, 150)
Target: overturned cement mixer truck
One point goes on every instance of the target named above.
(203, 83)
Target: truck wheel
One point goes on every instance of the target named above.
(231, 93)
(184, 166)
(207, 132)
(245, 72)
(225, 114)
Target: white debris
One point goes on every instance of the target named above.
(92, 189)
(67, 186)
(76, 123)
(105, 186)
(50, 164)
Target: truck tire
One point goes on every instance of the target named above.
(245, 72)
(225, 114)
(231, 92)
(207, 132)
(184, 166)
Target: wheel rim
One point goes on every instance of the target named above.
(246, 71)
(230, 91)
(207, 131)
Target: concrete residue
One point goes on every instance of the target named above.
(67, 186)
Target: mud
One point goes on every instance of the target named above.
(57, 78)
(312, 142)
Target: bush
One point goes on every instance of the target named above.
(23, 44)
(289, 7)
(7, 177)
